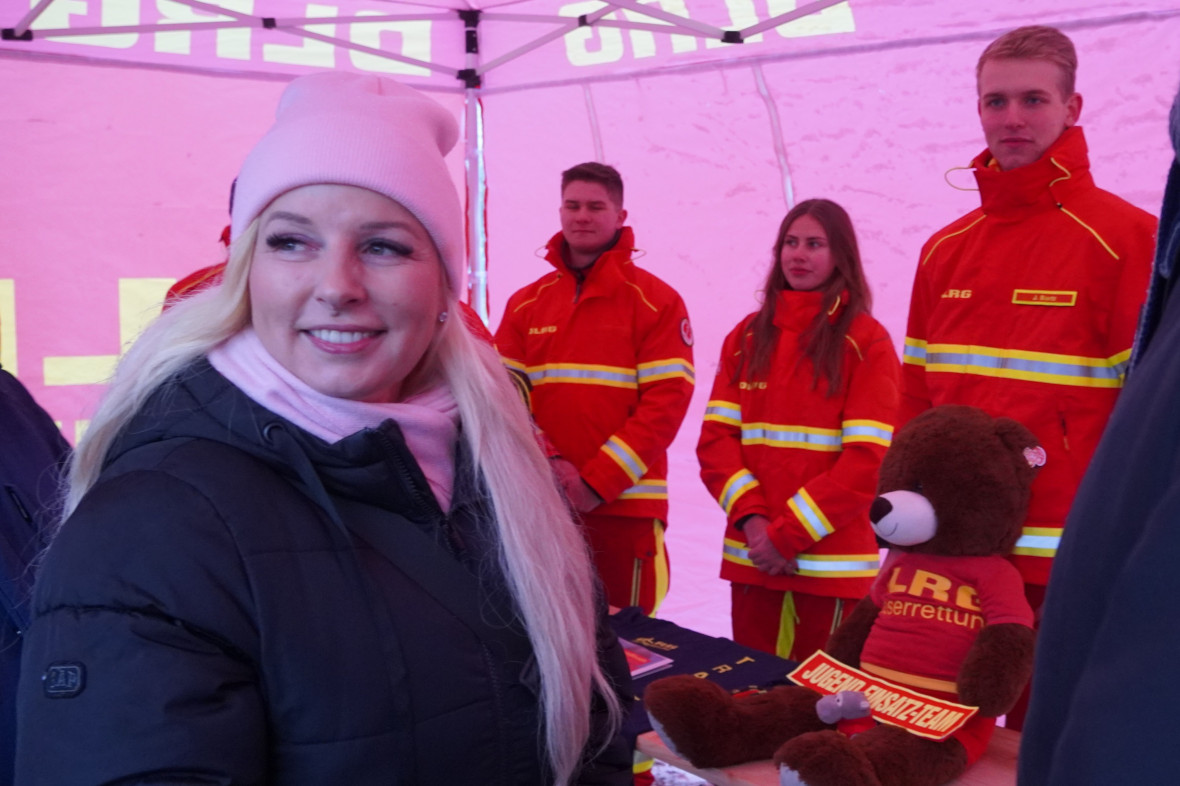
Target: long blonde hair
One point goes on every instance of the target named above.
(541, 552)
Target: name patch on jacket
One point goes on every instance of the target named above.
(64, 680)
(1044, 297)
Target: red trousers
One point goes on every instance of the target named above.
(791, 625)
(631, 559)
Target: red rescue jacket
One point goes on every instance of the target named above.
(609, 361)
(808, 462)
(1026, 307)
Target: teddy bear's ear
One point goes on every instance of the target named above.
(1021, 441)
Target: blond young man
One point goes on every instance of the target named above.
(1026, 306)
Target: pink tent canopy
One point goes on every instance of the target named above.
(126, 120)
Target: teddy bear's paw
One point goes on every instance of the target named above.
(707, 725)
(823, 758)
(788, 777)
(696, 719)
(658, 728)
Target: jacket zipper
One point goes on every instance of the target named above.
(20, 508)
(424, 502)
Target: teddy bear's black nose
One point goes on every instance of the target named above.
(880, 508)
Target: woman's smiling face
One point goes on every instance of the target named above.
(346, 288)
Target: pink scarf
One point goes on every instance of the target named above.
(428, 420)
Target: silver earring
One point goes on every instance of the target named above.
(442, 317)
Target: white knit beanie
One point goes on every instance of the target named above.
(360, 130)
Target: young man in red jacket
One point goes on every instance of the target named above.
(606, 349)
(1027, 305)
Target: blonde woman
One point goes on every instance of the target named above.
(309, 536)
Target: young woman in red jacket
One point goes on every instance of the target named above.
(800, 415)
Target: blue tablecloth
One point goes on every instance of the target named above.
(730, 665)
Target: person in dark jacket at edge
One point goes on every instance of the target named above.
(309, 537)
(33, 456)
(1104, 703)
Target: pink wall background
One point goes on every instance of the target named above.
(115, 172)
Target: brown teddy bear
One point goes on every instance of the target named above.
(946, 617)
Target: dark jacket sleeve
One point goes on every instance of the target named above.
(609, 764)
(1100, 709)
(137, 665)
(33, 456)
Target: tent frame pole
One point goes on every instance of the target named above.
(23, 25)
(475, 174)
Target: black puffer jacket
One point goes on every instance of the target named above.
(237, 601)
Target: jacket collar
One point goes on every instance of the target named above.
(795, 311)
(606, 273)
(372, 465)
(1046, 183)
